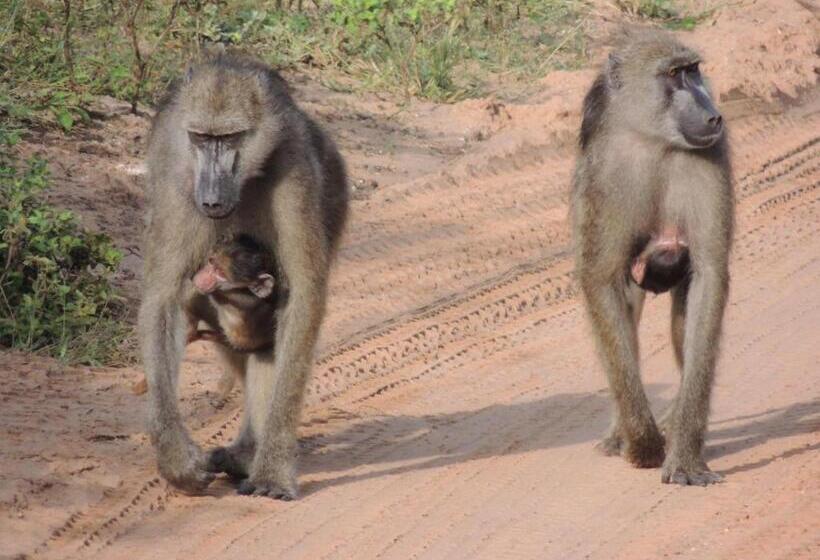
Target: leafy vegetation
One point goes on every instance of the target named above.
(663, 10)
(54, 56)
(55, 290)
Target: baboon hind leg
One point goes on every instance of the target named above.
(234, 459)
(613, 311)
(234, 365)
(613, 441)
(678, 327)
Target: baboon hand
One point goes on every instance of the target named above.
(182, 463)
(688, 473)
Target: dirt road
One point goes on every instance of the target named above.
(456, 397)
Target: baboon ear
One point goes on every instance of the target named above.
(613, 71)
(263, 287)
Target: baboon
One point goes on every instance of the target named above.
(239, 311)
(239, 284)
(230, 153)
(663, 261)
(652, 209)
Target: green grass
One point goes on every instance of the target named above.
(56, 296)
(53, 61)
(664, 11)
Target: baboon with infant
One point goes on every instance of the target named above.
(652, 209)
(231, 154)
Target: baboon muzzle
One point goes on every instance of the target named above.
(216, 190)
(215, 195)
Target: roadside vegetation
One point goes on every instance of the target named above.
(666, 12)
(56, 296)
(56, 57)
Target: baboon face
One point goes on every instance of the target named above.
(698, 121)
(229, 134)
(660, 89)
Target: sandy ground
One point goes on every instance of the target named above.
(456, 397)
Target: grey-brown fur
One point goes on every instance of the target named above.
(284, 184)
(636, 174)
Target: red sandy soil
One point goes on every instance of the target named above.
(456, 397)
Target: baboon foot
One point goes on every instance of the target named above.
(231, 461)
(688, 473)
(645, 452)
(610, 446)
(182, 463)
(277, 483)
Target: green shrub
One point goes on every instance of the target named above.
(664, 11)
(55, 291)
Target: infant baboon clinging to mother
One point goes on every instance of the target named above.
(652, 209)
(238, 307)
(230, 153)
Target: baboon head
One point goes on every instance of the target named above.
(656, 87)
(238, 266)
(232, 119)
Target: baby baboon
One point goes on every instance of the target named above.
(230, 153)
(238, 280)
(239, 312)
(652, 209)
(663, 262)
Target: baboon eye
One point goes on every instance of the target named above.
(673, 72)
(198, 138)
(230, 139)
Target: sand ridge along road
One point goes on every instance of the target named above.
(456, 397)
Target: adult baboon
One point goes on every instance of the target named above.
(230, 153)
(652, 207)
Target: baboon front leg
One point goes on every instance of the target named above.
(276, 386)
(615, 330)
(179, 459)
(678, 327)
(705, 304)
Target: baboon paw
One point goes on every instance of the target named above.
(273, 490)
(187, 473)
(224, 460)
(647, 452)
(697, 475)
(610, 446)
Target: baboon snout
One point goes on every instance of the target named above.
(216, 197)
